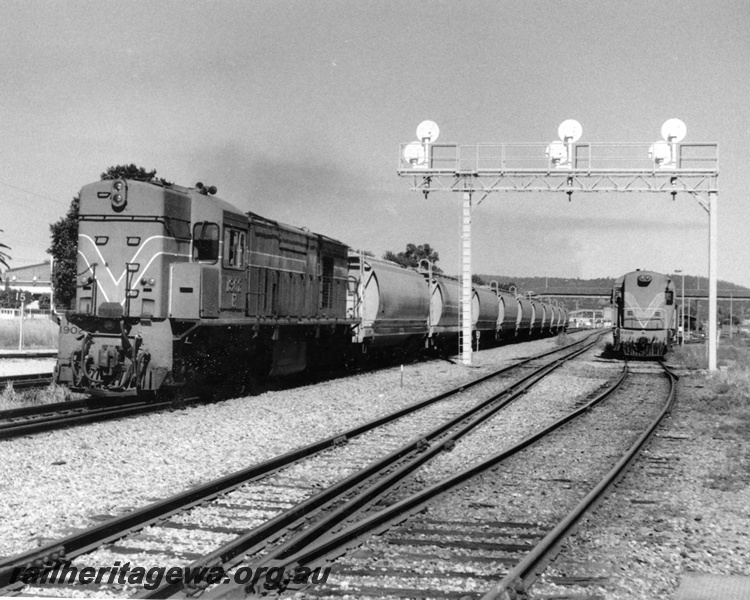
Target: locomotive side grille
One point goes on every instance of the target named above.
(326, 295)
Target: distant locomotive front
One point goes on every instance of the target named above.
(644, 309)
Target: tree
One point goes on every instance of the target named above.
(412, 256)
(64, 246)
(4, 256)
(478, 280)
(9, 298)
(131, 171)
(63, 250)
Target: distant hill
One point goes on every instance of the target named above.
(539, 285)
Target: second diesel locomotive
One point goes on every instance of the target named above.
(178, 288)
(643, 304)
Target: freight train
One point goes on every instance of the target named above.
(178, 289)
(643, 304)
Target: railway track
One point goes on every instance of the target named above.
(493, 537)
(28, 353)
(26, 381)
(263, 502)
(29, 420)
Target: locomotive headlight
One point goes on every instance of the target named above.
(151, 281)
(119, 199)
(86, 279)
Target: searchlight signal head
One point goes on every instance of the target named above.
(664, 153)
(415, 154)
(673, 130)
(660, 152)
(428, 132)
(570, 131)
(559, 153)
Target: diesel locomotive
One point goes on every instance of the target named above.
(643, 305)
(179, 289)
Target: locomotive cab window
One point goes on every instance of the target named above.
(235, 242)
(206, 242)
(669, 297)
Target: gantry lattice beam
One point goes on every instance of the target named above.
(487, 168)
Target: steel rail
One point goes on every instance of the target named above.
(28, 353)
(28, 380)
(331, 545)
(368, 485)
(523, 575)
(80, 543)
(80, 416)
(40, 409)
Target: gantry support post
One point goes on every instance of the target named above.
(466, 280)
(712, 304)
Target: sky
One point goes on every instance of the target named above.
(295, 109)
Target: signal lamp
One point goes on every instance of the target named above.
(660, 153)
(557, 152)
(415, 154)
(118, 202)
(428, 132)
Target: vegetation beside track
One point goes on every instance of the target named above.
(37, 333)
(724, 403)
(12, 398)
(727, 392)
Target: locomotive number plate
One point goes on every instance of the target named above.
(234, 284)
